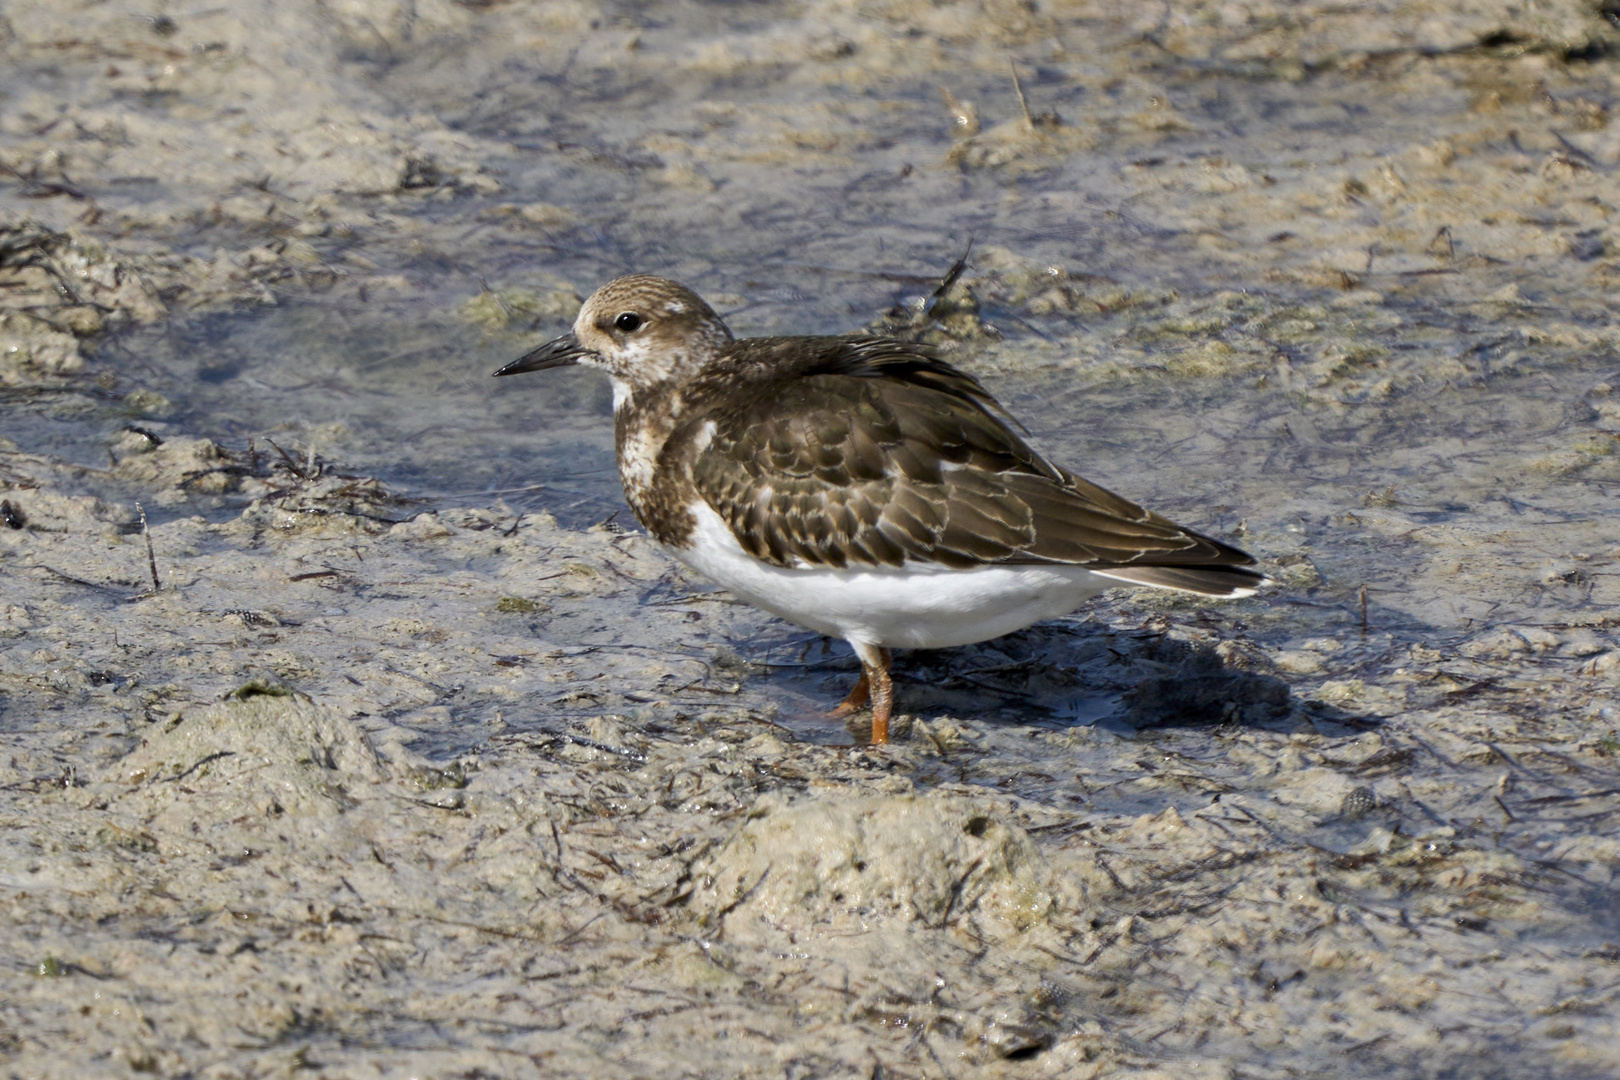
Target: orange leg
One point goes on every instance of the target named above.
(882, 701)
(876, 684)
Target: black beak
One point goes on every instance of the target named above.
(559, 352)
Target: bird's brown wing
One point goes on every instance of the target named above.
(888, 458)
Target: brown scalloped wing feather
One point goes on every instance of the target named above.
(879, 454)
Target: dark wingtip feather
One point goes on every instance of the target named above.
(1204, 581)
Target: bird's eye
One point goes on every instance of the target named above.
(629, 322)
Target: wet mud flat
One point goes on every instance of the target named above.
(495, 829)
(380, 748)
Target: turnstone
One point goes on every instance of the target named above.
(858, 486)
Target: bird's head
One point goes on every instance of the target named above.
(641, 330)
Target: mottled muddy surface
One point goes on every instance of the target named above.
(383, 748)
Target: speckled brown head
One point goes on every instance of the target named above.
(642, 330)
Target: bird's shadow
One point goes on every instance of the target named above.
(1060, 675)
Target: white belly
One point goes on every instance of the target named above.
(917, 607)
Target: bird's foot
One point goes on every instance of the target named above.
(857, 697)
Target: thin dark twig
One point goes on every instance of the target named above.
(633, 755)
(151, 558)
(200, 764)
(78, 580)
(291, 464)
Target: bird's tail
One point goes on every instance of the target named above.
(1233, 581)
